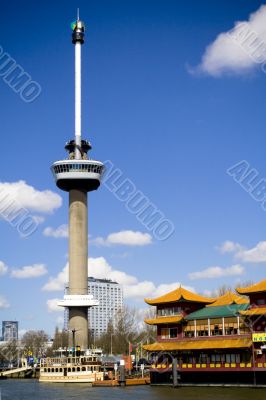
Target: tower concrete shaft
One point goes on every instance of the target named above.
(78, 264)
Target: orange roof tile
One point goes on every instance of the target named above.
(254, 311)
(177, 295)
(200, 344)
(229, 298)
(256, 288)
(164, 320)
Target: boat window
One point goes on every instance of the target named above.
(56, 370)
(48, 369)
(69, 370)
(83, 368)
(52, 369)
(78, 369)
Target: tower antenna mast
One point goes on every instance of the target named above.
(78, 40)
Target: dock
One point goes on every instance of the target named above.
(129, 382)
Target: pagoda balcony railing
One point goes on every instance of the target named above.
(163, 338)
(169, 313)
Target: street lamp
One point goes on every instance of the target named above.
(74, 340)
(111, 350)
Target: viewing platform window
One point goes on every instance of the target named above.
(82, 167)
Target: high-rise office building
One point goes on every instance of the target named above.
(9, 330)
(110, 297)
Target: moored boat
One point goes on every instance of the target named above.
(84, 368)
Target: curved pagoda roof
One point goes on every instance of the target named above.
(229, 298)
(178, 295)
(256, 288)
(254, 312)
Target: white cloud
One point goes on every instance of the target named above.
(238, 50)
(217, 272)
(124, 238)
(59, 232)
(147, 289)
(4, 303)
(52, 305)
(60, 321)
(229, 247)
(256, 254)
(38, 219)
(28, 197)
(29, 271)
(57, 283)
(21, 332)
(210, 293)
(3, 268)
(101, 269)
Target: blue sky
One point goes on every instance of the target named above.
(171, 113)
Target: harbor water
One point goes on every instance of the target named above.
(12, 389)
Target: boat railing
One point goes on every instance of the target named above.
(69, 361)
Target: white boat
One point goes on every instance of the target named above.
(82, 369)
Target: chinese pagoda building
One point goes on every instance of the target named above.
(209, 340)
(255, 319)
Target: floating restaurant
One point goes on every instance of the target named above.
(205, 340)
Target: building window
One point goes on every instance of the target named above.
(169, 311)
(231, 326)
(203, 331)
(217, 330)
(165, 333)
(173, 332)
(189, 330)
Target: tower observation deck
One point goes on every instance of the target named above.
(78, 175)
